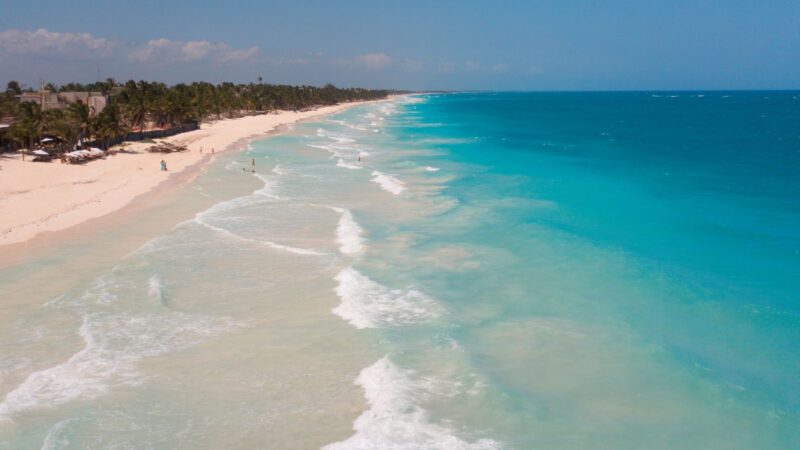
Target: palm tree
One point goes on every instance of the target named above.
(80, 115)
(13, 88)
(108, 125)
(18, 134)
(162, 109)
(108, 86)
(133, 104)
(66, 131)
(136, 112)
(30, 123)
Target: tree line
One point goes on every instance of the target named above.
(136, 105)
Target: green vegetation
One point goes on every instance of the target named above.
(135, 106)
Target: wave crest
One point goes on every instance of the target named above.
(368, 304)
(114, 344)
(388, 182)
(395, 420)
(348, 232)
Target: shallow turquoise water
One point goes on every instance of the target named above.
(494, 270)
(643, 258)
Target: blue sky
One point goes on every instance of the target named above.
(499, 45)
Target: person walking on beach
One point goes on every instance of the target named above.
(163, 166)
(253, 163)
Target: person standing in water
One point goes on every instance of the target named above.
(253, 163)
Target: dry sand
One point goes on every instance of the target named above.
(44, 197)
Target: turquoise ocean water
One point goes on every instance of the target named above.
(461, 271)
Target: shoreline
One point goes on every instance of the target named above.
(102, 187)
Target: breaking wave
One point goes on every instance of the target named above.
(395, 420)
(348, 232)
(388, 182)
(113, 345)
(368, 304)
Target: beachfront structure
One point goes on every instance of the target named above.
(96, 101)
(3, 131)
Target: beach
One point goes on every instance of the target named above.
(38, 198)
(476, 271)
(411, 225)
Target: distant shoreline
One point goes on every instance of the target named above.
(37, 198)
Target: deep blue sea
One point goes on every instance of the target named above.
(441, 271)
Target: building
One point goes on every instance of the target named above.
(96, 101)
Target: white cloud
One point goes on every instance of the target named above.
(196, 50)
(241, 54)
(374, 61)
(153, 50)
(43, 43)
(165, 51)
(49, 43)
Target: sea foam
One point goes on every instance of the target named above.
(368, 304)
(53, 440)
(348, 232)
(227, 208)
(388, 183)
(347, 165)
(342, 139)
(395, 420)
(274, 245)
(113, 345)
(268, 190)
(155, 288)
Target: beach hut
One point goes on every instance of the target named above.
(52, 144)
(41, 156)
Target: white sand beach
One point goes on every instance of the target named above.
(45, 197)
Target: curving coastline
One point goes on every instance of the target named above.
(49, 197)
